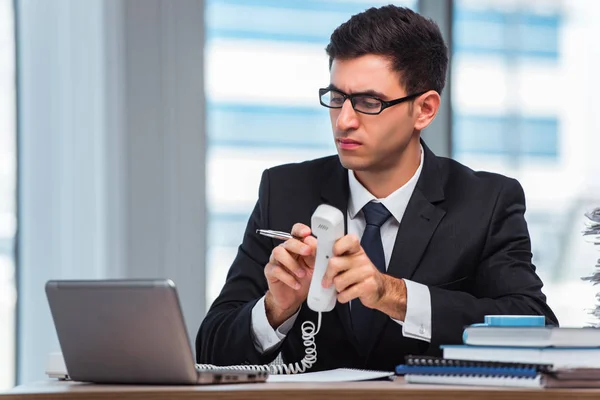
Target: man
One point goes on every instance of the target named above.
(431, 245)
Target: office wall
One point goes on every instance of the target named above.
(111, 153)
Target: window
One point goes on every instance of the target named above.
(254, 49)
(524, 105)
(8, 165)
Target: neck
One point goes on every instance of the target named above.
(383, 182)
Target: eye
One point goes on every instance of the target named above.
(369, 103)
(336, 99)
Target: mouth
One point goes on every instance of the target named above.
(347, 144)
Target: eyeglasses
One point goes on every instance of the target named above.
(362, 103)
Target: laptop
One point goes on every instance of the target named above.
(128, 331)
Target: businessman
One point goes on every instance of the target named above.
(431, 246)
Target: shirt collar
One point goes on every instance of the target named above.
(396, 202)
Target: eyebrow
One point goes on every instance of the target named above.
(369, 92)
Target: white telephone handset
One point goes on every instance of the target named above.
(327, 224)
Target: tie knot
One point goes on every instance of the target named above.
(376, 214)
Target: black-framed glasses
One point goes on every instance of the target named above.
(362, 103)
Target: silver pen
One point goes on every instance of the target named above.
(275, 234)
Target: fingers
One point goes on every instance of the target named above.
(343, 248)
(311, 241)
(297, 247)
(335, 266)
(280, 255)
(309, 260)
(276, 272)
(346, 245)
(351, 293)
(305, 245)
(350, 277)
(367, 288)
(300, 230)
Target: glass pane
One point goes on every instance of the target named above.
(254, 49)
(524, 101)
(7, 196)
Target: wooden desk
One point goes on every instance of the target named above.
(398, 390)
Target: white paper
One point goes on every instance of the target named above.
(334, 375)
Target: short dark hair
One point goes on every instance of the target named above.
(413, 43)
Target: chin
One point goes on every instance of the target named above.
(366, 164)
(355, 163)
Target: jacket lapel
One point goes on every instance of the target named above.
(418, 224)
(336, 193)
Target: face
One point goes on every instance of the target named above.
(372, 142)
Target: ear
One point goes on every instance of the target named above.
(425, 108)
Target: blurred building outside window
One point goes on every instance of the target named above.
(524, 105)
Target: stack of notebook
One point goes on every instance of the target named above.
(514, 351)
(435, 370)
(528, 343)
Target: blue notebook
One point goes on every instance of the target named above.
(513, 320)
(431, 370)
(438, 365)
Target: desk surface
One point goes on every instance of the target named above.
(288, 391)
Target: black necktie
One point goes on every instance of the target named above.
(375, 215)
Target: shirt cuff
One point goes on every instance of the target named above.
(417, 322)
(264, 336)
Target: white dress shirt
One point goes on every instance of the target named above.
(417, 323)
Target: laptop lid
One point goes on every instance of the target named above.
(122, 331)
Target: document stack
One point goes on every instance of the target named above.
(591, 234)
(513, 351)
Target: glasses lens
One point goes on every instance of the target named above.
(331, 98)
(367, 104)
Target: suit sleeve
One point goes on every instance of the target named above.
(505, 281)
(225, 335)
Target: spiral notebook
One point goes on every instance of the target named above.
(435, 370)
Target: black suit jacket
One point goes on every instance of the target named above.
(463, 235)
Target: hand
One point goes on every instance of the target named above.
(288, 274)
(354, 276)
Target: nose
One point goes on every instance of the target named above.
(347, 118)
